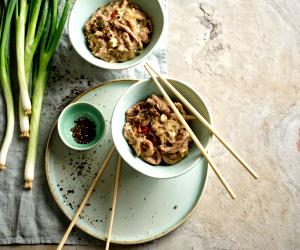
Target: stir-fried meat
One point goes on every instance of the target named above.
(133, 112)
(118, 31)
(139, 113)
(130, 134)
(181, 145)
(154, 159)
(179, 106)
(153, 133)
(143, 147)
(166, 131)
(160, 103)
(128, 30)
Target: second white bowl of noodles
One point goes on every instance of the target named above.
(84, 9)
(139, 92)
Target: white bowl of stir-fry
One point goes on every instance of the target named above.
(115, 34)
(148, 135)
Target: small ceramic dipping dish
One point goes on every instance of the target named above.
(81, 126)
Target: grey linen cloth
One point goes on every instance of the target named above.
(32, 217)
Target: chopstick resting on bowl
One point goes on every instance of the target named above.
(114, 202)
(193, 136)
(86, 198)
(205, 123)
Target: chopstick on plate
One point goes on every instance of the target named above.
(205, 123)
(114, 202)
(86, 198)
(193, 136)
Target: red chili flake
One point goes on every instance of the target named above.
(113, 15)
(144, 130)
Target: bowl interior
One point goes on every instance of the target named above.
(140, 91)
(83, 10)
(71, 114)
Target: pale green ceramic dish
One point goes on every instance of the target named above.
(72, 113)
(147, 208)
(82, 11)
(141, 91)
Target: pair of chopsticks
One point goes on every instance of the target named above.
(155, 76)
(88, 195)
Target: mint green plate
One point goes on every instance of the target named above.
(147, 208)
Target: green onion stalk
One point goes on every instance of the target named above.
(21, 17)
(5, 22)
(49, 42)
(35, 26)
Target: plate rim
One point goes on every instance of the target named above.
(164, 233)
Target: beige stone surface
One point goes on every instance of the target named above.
(244, 59)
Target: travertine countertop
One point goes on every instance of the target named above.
(244, 58)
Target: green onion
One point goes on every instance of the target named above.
(21, 17)
(48, 44)
(36, 23)
(5, 23)
(24, 99)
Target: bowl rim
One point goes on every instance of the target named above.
(60, 133)
(197, 161)
(124, 65)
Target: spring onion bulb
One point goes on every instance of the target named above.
(5, 22)
(49, 42)
(24, 122)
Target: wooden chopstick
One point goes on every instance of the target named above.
(86, 198)
(194, 137)
(206, 124)
(114, 202)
